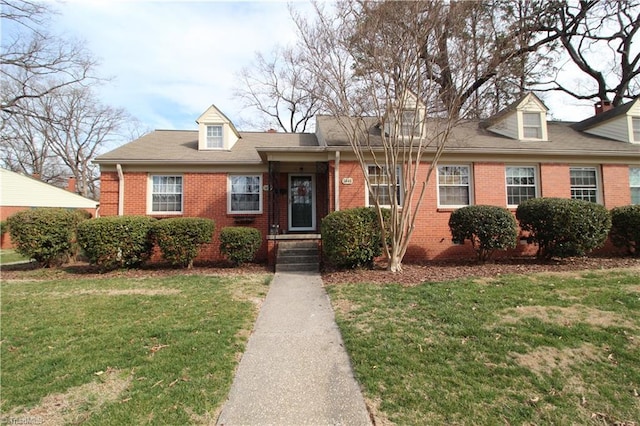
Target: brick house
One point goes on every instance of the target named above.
(284, 184)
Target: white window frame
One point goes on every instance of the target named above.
(535, 179)
(468, 185)
(411, 124)
(634, 185)
(230, 193)
(526, 126)
(584, 187)
(215, 141)
(151, 194)
(399, 184)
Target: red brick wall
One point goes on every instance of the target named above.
(555, 180)
(615, 185)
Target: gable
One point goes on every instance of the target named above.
(525, 120)
(214, 124)
(617, 123)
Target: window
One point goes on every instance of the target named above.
(245, 195)
(521, 184)
(453, 185)
(410, 124)
(380, 186)
(531, 125)
(584, 184)
(166, 194)
(636, 129)
(634, 182)
(214, 137)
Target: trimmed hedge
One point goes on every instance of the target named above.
(564, 227)
(352, 238)
(240, 244)
(489, 228)
(180, 238)
(116, 242)
(44, 234)
(625, 228)
(4, 228)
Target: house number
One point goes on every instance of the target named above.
(347, 181)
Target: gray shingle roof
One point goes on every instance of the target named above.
(604, 116)
(181, 146)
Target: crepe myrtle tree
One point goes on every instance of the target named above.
(392, 113)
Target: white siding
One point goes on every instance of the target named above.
(616, 129)
(634, 110)
(17, 190)
(507, 127)
(213, 116)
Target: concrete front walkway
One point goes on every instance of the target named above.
(295, 370)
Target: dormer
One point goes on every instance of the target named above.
(524, 120)
(621, 123)
(215, 131)
(408, 120)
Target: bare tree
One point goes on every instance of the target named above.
(33, 62)
(280, 89)
(377, 89)
(597, 38)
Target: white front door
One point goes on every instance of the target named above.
(302, 202)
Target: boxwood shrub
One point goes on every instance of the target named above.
(117, 241)
(44, 234)
(352, 238)
(180, 238)
(625, 228)
(240, 244)
(564, 227)
(489, 228)
(3, 228)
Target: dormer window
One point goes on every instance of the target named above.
(410, 124)
(214, 137)
(531, 125)
(636, 129)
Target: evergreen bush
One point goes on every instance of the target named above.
(625, 228)
(180, 238)
(116, 241)
(564, 227)
(44, 234)
(240, 244)
(352, 238)
(489, 228)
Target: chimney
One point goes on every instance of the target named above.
(71, 185)
(602, 106)
(36, 176)
(272, 131)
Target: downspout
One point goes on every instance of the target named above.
(336, 183)
(120, 190)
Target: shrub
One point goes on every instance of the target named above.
(352, 238)
(114, 242)
(180, 238)
(3, 228)
(43, 234)
(564, 227)
(240, 244)
(625, 228)
(489, 228)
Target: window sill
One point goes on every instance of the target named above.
(165, 213)
(450, 208)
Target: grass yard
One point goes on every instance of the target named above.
(10, 256)
(121, 350)
(538, 349)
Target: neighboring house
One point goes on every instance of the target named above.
(284, 184)
(19, 192)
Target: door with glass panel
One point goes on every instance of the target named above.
(302, 214)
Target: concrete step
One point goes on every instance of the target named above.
(297, 244)
(295, 251)
(297, 267)
(297, 259)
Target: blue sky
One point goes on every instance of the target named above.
(170, 60)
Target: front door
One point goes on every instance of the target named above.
(302, 200)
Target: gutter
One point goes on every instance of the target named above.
(120, 190)
(336, 183)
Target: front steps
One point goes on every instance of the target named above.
(298, 256)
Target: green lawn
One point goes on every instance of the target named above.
(123, 350)
(539, 349)
(10, 256)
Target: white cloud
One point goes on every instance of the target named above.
(171, 60)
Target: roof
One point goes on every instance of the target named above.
(181, 147)
(18, 190)
(509, 109)
(604, 116)
(470, 137)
